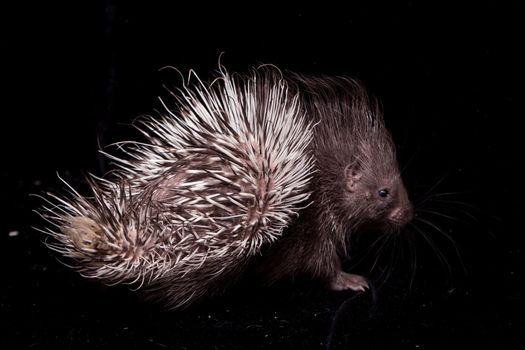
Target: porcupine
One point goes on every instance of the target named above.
(222, 177)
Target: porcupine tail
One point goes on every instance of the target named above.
(219, 176)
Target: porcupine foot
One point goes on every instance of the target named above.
(343, 281)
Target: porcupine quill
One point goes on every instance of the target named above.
(221, 179)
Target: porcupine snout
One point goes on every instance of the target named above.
(402, 214)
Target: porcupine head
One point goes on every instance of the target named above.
(357, 185)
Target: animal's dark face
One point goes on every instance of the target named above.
(380, 197)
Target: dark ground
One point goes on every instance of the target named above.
(450, 82)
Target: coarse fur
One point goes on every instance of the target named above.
(217, 178)
(357, 185)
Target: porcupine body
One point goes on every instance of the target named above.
(219, 177)
(356, 187)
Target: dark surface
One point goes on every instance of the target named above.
(450, 81)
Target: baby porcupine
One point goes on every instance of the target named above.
(221, 179)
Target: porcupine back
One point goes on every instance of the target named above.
(216, 179)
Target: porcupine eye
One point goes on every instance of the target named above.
(383, 193)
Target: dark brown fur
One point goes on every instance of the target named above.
(356, 160)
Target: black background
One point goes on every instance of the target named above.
(449, 78)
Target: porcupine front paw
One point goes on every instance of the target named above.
(343, 281)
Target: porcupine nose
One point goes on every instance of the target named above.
(402, 214)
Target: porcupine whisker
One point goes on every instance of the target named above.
(448, 237)
(441, 257)
(413, 257)
(453, 204)
(434, 226)
(450, 205)
(434, 212)
(408, 162)
(390, 240)
(395, 253)
(442, 194)
(436, 185)
(437, 197)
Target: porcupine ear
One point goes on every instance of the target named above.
(353, 174)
